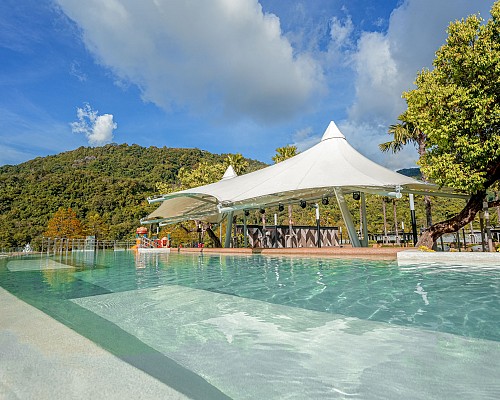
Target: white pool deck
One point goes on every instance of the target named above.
(40, 358)
(457, 258)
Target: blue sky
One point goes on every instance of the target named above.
(238, 76)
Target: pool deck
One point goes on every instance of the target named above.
(40, 358)
(404, 255)
(447, 257)
(387, 253)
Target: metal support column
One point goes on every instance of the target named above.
(229, 227)
(318, 226)
(363, 220)
(275, 244)
(346, 215)
(413, 220)
(245, 230)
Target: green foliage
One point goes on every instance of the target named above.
(206, 172)
(203, 174)
(282, 153)
(112, 181)
(238, 162)
(96, 226)
(457, 105)
(403, 134)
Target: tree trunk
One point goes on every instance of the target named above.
(213, 237)
(434, 232)
(427, 199)
(473, 206)
(428, 211)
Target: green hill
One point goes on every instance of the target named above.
(411, 172)
(113, 180)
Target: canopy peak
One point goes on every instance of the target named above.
(230, 173)
(332, 132)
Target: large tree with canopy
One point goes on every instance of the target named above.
(457, 105)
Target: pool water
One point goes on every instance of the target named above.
(257, 327)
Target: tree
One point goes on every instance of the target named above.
(95, 226)
(65, 224)
(285, 152)
(457, 105)
(239, 164)
(403, 134)
(205, 173)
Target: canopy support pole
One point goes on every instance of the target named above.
(245, 231)
(413, 220)
(318, 226)
(346, 215)
(229, 227)
(364, 243)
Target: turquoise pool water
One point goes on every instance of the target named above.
(252, 327)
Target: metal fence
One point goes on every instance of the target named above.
(61, 245)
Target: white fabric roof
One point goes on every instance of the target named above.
(312, 174)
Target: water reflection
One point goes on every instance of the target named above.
(445, 299)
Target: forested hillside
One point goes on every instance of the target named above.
(112, 181)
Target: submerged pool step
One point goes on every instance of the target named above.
(253, 349)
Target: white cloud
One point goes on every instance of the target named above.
(97, 128)
(378, 80)
(305, 138)
(341, 31)
(219, 57)
(386, 64)
(76, 71)
(366, 136)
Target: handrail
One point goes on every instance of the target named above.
(149, 243)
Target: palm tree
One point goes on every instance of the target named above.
(283, 153)
(404, 133)
(238, 162)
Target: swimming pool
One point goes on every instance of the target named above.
(251, 327)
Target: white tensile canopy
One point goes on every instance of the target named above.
(330, 168)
